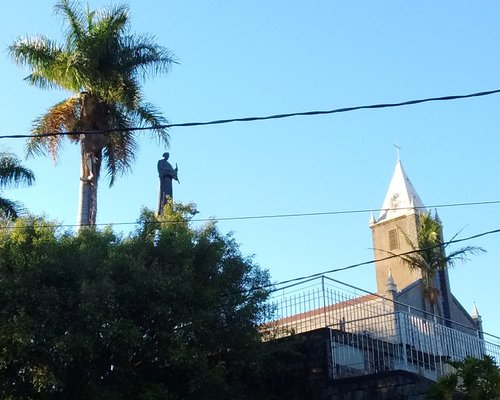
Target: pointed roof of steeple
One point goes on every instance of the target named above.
(401, 198)
(391, 285)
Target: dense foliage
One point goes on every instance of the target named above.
(165, 313)
(475, 379)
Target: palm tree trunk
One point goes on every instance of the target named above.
(83, 217)
(87, 202)
(94, 117)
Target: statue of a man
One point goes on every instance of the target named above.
(166, 173)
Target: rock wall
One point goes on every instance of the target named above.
(306, 373)
(391, 385)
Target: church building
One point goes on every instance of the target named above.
(394, 232)
(398, 327)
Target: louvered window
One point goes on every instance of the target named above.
(393, 239)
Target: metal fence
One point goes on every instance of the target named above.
(369, 333)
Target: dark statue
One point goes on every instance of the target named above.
(166, 173)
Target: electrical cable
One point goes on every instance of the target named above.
(299, 280)
(273, 216)
(260, 118)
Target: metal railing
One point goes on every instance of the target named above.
(370, 333)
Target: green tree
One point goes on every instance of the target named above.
(429, 256)
(101, 64)
(12, 174)
(475, 379)
(168, 312)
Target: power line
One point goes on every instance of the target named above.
(342, 212)
(260, 118)
(272, 216)
(306, 278)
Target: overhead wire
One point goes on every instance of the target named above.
(306, 278)
(258, 118)
(271, 216)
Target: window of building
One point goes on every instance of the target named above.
(393, 239)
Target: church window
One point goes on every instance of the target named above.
(393, 239)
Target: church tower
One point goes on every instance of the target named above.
(396, 226)
(398, 217)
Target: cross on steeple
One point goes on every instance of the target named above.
(398, 149)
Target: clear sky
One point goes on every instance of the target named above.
(239, 59)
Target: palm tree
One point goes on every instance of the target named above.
(12, 174)
(101, 65)
(428, 255)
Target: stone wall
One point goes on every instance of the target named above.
(391, 385)
(305, 373)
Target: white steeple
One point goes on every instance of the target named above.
(401, 198)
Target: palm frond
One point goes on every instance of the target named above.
(10, 209)
(431, 256)
(121, 147)
(121, 89)
(62, 117)
(112, 21)
(461, 255)
(148, 115)
(141, 55)
(100, 53)
(12, 173)
(415, 262)
(37, 52)
(72, 13)
(51, 65)
(39, 79)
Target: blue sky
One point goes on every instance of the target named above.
(238, 59)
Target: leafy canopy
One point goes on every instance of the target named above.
(476, 379)
(167, 312)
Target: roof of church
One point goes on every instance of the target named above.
(320, 312)
(401, 197)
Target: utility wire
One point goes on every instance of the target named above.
(259, 118)
(299, 280)
(271, 216)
